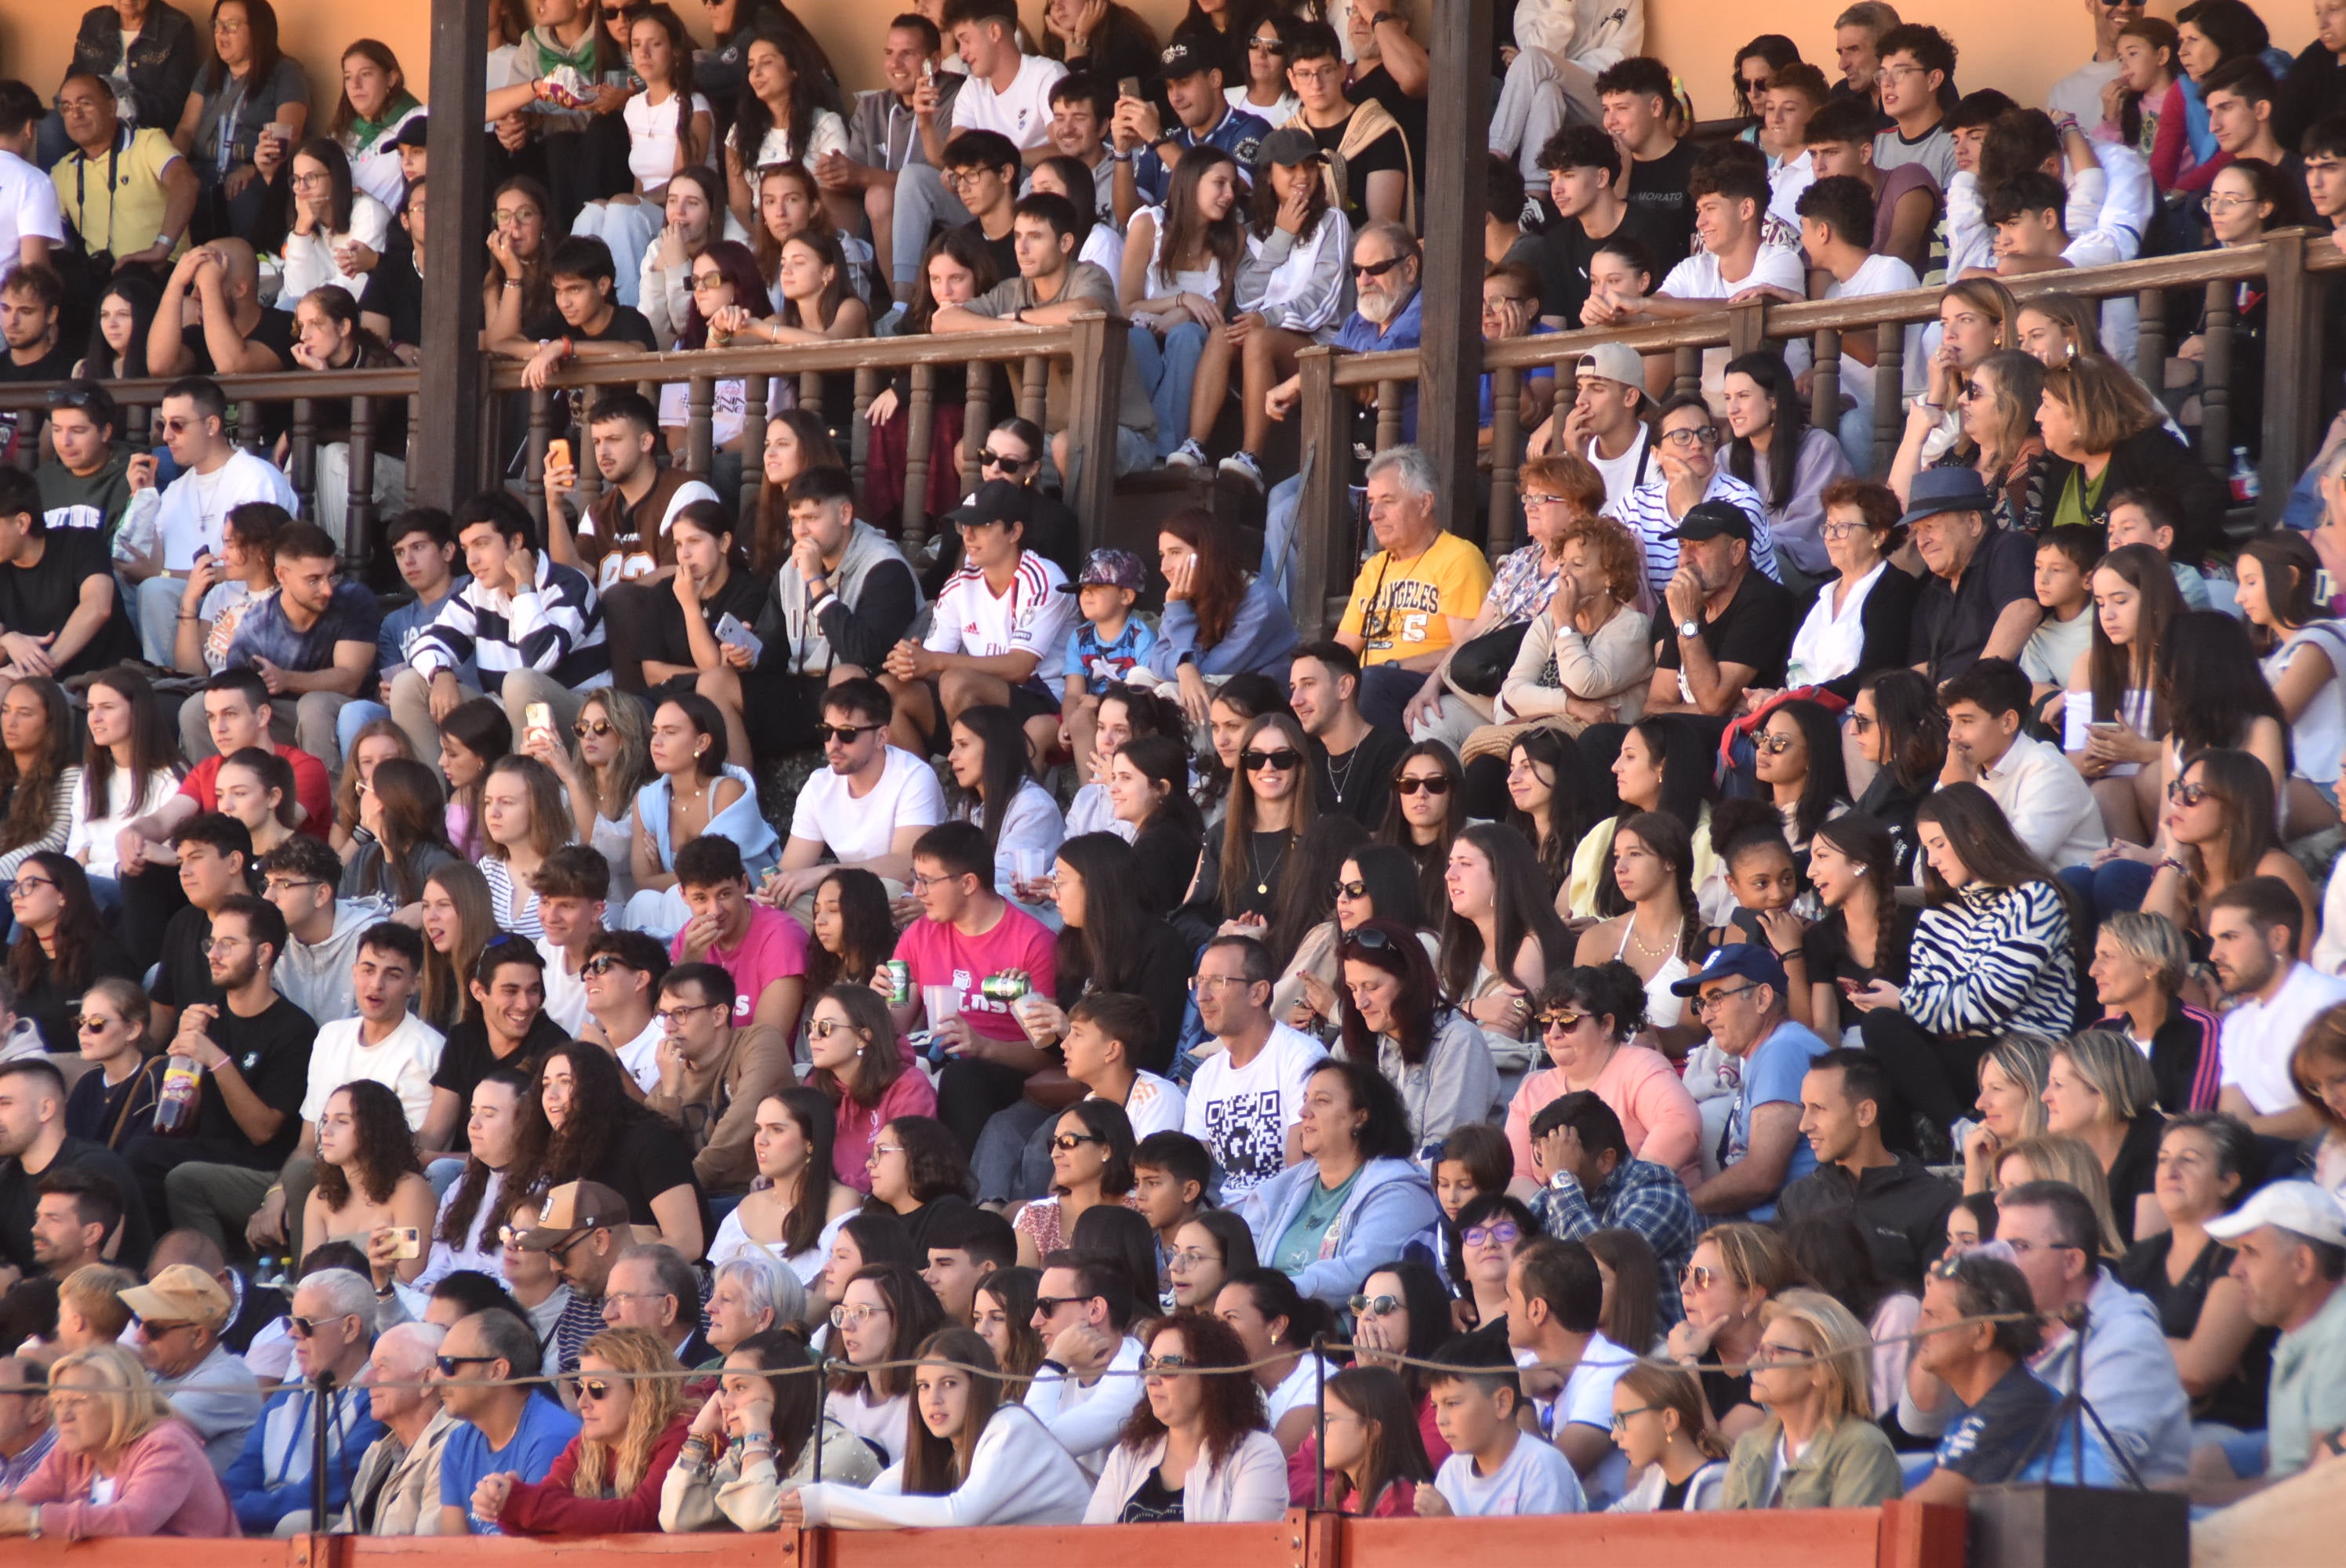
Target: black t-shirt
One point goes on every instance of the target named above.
(2239, 1400)
(1360, 782)
(1826, 946)
(1755, 630)
(276, 333)
(20, 1195)
(52, 1002)
(743, 597)
(626, 325)
(1409, 113)
(111, 1114)
(1991, 1441)
(466, 1059)
(1387, 152)
(39, 599)
(1952, 624)
(397, 296)
(1722, 1391)
(185, 975)
(1004, 251)
(1658, 186)
(648, 1159)
(54, 366)
(1560, 254)
(272, 1053)
(1154, 1503)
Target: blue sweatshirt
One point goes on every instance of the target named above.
(1261, 637)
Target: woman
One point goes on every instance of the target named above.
(1665, 764)
(1735, 1271)
(524, 819)
(2112, 713)
(2140, 962)
(813, 298)
(117, 349)
(1797, 758)
(1181, 272)
(379, 740)
(333, 233)
(632, 1423)
(1401, 1319)
(994, 788)
(2247, 198)
(788, 113)
(884, 1312)
(113, 1101)
(1587, 657)
(721, 276)
(368, 1178)
(1108, 944)
(918, 1174)
(1995, 408)
(1291, 283)
(1148, 787)
(329, 335)
(602, 770)
(2216, 698)
(1551, 793)
(61, 946)
(476, 1212)
(1195, 1449)
(968, 1456)
(1220, 619)
(1258, 83)
(250, 86)
(790, 205)
(669, 131)
(852, 931)
(856, 1064)
(402, 838)
(1501, 940)
(2278, 574)
(1819, 1447)
(2219, 831)
(457, 924)
(1376, 1459)
(124, 1463)
(956, 268)
(2205, 1162)
(591, 1130)
(692, 209)
(1977, 317)
(1652, 866)
(1212, 1248)
(375, 108)
(1492, 1229)
(2209, 36)
(2011, 1104)
(1779, 454)
(1353, 1198)
(1865, 933)
(1993, 952)
(220, 591)
(1833, 1256)
(1271, 805)
(796, 1205)
(2107, 436)
(682, 653)
(517, 293)
(1660, 1424)
(1276, 1326)
(764, 1413)
(1091, 1164)
(696, 789)
(751, 1294)
(127, 770)
(1391, 1015)
(796, 442)
(2318, 1067)
(2099, 1090)
(474, 737)
(1003, 1316)
(2069, 1161)
(256, 787)
(1588, 1019)
(1900, 728)
(1864, 614)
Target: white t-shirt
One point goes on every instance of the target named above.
(1620, 473)
(28, 206)
(857, 831)
(1154, 1104)
(565, 989)
(880, 1424)
(1875, 275)
(2258, 1038)
(1033, 618)
(404, 1063)
(191, 511)
(1299, 1390)
(2079, 94)
(1700, 277)
(828, 133)
(1586, 1398)
(640, 1056)
(1242, 1114)
(1534, 1479)
(1023, 114)
(652, 138)
(310, 258)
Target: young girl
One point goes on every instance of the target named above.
(785, 115)
(334, 232)
(60, 948)
(2142, 106)
(517, 295)
(852, 931)
(669, 131)
(256, 787)
(474, 736)
(796, 1204)
(693, 211)
(1181, 270)
(375, 106)
(884, 1313)
(378, 741)
(524, 818)
(1660, 1424)
(117, 336)
(367, 1174)
(1863, 935)
(2111, 716)
(694, 790)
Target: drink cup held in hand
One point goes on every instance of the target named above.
(1029, 1009)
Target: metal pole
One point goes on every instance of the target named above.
(320, 1412)
(822, 1378)
(1320, 1421)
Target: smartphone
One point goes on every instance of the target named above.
(410, 1241)
(1127, 88)
(557, 452)
(537, 716)
(730, 631)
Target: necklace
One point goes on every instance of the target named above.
(1338, 781)
(1254, 864)
(1639, 942)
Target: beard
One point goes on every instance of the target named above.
(1379, 306)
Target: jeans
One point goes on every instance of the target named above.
(2112, 888)
(1169, 369)
(1385, 690)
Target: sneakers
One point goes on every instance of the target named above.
(1242, 465)
(889, 324)
(1189, 454)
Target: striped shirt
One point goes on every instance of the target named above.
(1647, 513)
(1994, 960)
(558, 629)
(53, 837)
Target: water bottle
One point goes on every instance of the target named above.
(174, 1110)
(2246, 484)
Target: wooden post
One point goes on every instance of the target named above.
(1457, 137)
(2216, 378)
(1324, 505)
(2293, 351)
(1095, 395)
(445, 442)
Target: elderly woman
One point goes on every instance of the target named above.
(1996, 400)
(2140, 962)
(1819, 1447)
(762, 1416)
(1864, 616)
(122, 1464)
(2207, 1161)
(755, 1293)
(2107, 436)
(1392, 1016)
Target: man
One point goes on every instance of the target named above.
(1739, 991)
(573, 886)
(584, 1229)
(150, 191)
(393, 311)
(1975, 1335)
(760, 950)
(1370, 175)
(592, 323)
(1050, 289)
(1089, 1382)
(507, 1432)
(1413, 599)
(1591, 1181)
(253, 1048)
(300, 878)
(252, 1308)
(76, 1215)
(623, 534)
(2078, 94)
(211, 322)
(1686, 470)
(1555, 1295)
(88, 488)
(1246, 1100)
(1917, 62)
(215, 477)
(30, 223)
(2128, 1374)
(1980, 600)
(2290, 1243)
(1584, 185)
(531, 626)
(967, 931)
(1388, 312)
(1351, 761)
(2255, 930)
(867, 807)
(271, 1484)
(397, 1488)
(2039, 791)
(25, 1435)
(622, 969)
(1006, 91)
(1147, 153)
(233, 711)
(714, 1071)
(1729, 626)
(508, 986)
(35, 1150)
(1605, 423)
(999, 632)
(313, 640)
(422, 544)
(983, 167)
(213, 851)
(891, 131)
(2105, 202)
(59, 617)
(655, 1288)
(2325, 151)
(1839, 141)
(2240, 95)
(965, 1244)
(1858, 33)
(1082, 106)
(1837, 223)
(30, 298)
(1901, 1208)
(845, 596)
(1638, 104)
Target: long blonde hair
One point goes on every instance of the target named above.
(658, 1400)
(1840, 1344)
(125, 1385)
(615, 788)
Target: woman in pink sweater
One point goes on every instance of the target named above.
(116, 1440)
(1587, 1016)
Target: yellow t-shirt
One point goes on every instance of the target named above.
(1399, 605)
(133, 219)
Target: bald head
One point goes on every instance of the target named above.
(190, 1247)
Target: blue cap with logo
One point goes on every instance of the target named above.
(1747, 959)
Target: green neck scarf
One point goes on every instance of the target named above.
(365, 133)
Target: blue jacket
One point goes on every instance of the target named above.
(1391, 1202)
(270, 1479)
(1261, 636)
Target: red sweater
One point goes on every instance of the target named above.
(549, 1507)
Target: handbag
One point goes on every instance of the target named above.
(1480, 665)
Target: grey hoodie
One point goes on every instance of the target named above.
(316, 977)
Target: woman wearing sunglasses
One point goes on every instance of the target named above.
(2219, 828)
(1735, 1270)
(1374, 881)
(856, 1063)
(1588, 1018)
(632, 1423)
(1091, 1164)
(113, 1098)
(1994, 404)
(1501, 940)
(762, 1420)
(1394, 1018)
(1196, 1449)
(1272, 804)
(1426, 812)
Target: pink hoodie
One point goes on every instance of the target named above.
(162, 1486)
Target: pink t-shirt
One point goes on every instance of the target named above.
(773, 948)
(908, 1094)
(939, 954)
(1659, 1117)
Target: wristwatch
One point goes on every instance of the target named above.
(1689, 629)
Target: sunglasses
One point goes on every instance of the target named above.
(1696, 1276)
(83, 398)
(989, 458)
(91, 1024)
(303, 1327)
(603, 963)
(597, 728)
(824, 1028)
(1773, 745)
(1374, 1306)
(448, 1365)
(1437, 785)
(1377, 268)
(1068, 1143)
(2184, 794)
(1048, 1307)
(1158, 1363)
(1283, 761)
(844, 734)
(1351, 889)
(1563, 1018)
(594, 1388)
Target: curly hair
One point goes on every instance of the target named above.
(386, 1149)
(1608, 990)
(1618, 554)
(1229, 1406)
(933, 1165)
(600, 1112)
(639, 1357)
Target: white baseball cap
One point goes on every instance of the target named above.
(2297, 1206)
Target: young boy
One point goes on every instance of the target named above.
(1102, 1032)
(1495, 1469)
(593, 322)
(1106, 645)
(572, 884)
(2065, 564)
(2139, 518)
(1170, 1171)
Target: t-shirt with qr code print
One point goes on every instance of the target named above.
(1242, 1114)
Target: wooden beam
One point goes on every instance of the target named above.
(1457, 140)
(447, 418)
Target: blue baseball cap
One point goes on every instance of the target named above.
(1747, 959)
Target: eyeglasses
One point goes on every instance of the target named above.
(1705, 434)
(989, 458)
(1889, 73)
(597, 728)
(1621, 1418)
(510, 217)
(276, 885)
(1842, 530)
(311, 181)
(1265, 46)
(1505, 1232)
(922, 882)
(1564, 1019)
(1283, 761)
(510, 1235)
(845, 734)
(1351, 889)
(624, 1297)
(2183, 794)
(1374, 1306)
(1771, 1353)
(24, 883)
(674, 1017)
(1188, 1259)
(1705, 1004)
(1774, 744)
(1153, 1364)
(1542, 498)
(1068, 1143)
(303, 1327)
(872, 1158)
(1377, 268)
(855, 1317)
(1437, 784)
(1205, 982)
(212, 944)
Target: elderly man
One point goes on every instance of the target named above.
(180, 1314)
(1979, 601)
(1416, 596)
(2130, 1373)
(1740, 991)
(1686, 471)
(270, 1484)
(149, 191)
(506, 1431)
(713, 1073)
(1729, 629)
(2289, 1256)
(397, 1492)
(25, 1435)
(655, 1287)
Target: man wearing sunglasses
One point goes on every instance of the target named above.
(507, 1432)
(1084, 1310)
(865, 809)
(177, 1319)
(271, 1484)
(216, 476)
(1740, 992)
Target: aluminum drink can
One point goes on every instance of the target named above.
(900, 982)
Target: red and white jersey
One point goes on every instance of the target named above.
(1033, 617)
